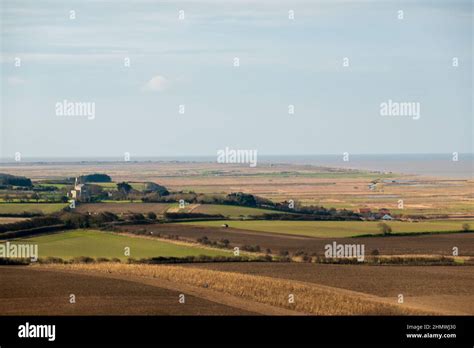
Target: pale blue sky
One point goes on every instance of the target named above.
(282, 62)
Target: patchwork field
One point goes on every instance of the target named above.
(310, 298)
(336, 229)
(256, 287)
(124, 207)
(92, 243)
(278, 182)
(441, 244)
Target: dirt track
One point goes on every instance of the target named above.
(26, 291)
(441, 244)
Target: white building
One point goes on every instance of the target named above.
(80, 191)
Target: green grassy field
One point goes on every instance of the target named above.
(108, 186)
(18, 208)
(58, 186)
(336, 228)
(103, 244)
(227, 210)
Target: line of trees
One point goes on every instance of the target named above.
(13, 180)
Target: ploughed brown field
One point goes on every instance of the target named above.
(256, 294)
(437, 288)
(29, 291)
(123, 208)
(441, 244)
(444, 288)
(236, 289)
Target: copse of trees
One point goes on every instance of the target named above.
(97, 192)
(304, 217)
(175, 216)
(124, 187)
(151, 187)
(151, 215)
(242, 199)
(136, 217)
(78, 220)
(75, 220)
(30, 223)
(13, 180)
(96, 177)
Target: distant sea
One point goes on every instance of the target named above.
(438, 165)
(420, 164)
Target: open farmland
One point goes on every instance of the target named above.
(123, 207)
(21, 208)
(97, 295)
(229, 211)
(337, 229)
(437, 244)
(108, 186)
(444, 288)
(279, 182)
(95, 244)
(311, 298)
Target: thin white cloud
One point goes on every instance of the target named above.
(157, 83)
(16, 81)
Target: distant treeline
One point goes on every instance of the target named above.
(13, 180)
(315, 216)
(62, 220)
(30, 223)
(96, 177)
(252, 201)
(177, 216)
(152, 192)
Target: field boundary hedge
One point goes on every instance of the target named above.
(34, 231)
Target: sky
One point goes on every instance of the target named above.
(76, 51)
